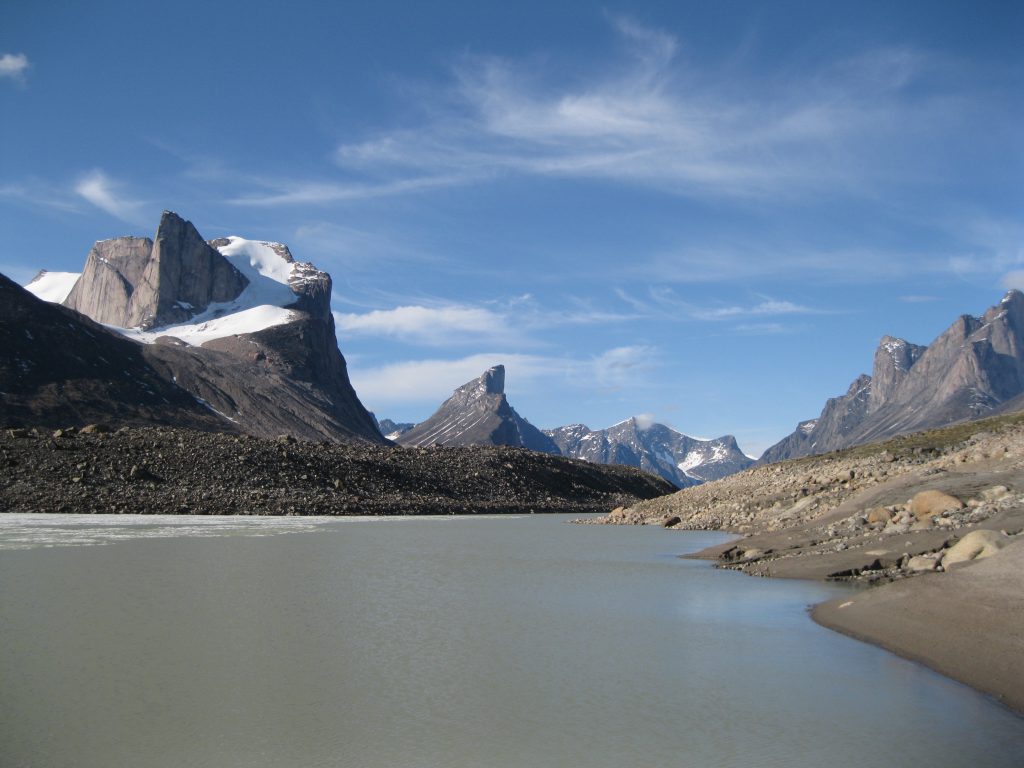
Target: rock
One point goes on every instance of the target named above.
(753, 553)
(142, 474)
(922, 563)
(94, 429)
(974, 546)
(995, 493)
(927, 504)
(669, 522)
(879, 515)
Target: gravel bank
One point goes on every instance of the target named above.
(163, 470)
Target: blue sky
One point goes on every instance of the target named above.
(705, 212)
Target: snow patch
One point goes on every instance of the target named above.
(198, 331)
(53, 286)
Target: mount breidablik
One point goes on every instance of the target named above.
(240, 325)
(972, 370)
(478, 413)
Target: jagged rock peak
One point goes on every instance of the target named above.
(973, 368)
(183, 277)
(478, 413)
(137, 282)
(493, 380)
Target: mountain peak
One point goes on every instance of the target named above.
(493, 380)
(478, 413)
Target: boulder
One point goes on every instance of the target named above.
(995, 493)
(927, 504)
(974, 546)
(923, 563)
(879, 515)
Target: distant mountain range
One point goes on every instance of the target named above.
(478, 413)
(238, 325)
(637, 442)
(974, 369)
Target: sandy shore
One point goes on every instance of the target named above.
(852, 516)
(967, 624)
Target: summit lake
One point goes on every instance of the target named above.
(441, 643)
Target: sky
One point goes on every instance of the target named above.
(708, 213)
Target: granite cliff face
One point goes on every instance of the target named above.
(478, 413)
(137, 282)
(238, 324)
(973, 369)
(678, 458)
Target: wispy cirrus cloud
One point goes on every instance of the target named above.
(665, 301)
(651, 118)
(103, 192)
(39, 194)
(654, 121)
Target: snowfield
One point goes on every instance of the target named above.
(53, 286)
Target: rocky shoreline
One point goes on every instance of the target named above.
(933, 522)
(165, 470)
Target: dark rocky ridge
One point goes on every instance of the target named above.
(166, 470)
(678, 458)
(972, 370)
(59, 368)
(478, 413)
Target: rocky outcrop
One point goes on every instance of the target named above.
(137, 282)
(285, 377)
(679, 458)
(478, 413)
(970, 371)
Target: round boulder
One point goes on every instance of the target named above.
(974, 546)
(927, 504)
(879, 515)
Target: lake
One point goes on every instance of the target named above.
(441, 643)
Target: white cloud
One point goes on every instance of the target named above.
(14, 66)
(427, 383)
(430, 382)
(1014, 279)
(97, 188)
(435, 326)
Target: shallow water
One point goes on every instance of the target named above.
(442, 642)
